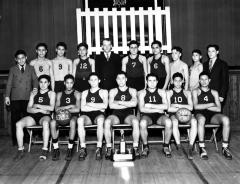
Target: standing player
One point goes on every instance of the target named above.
(108, 64)
(152, 104)
(82, 67)
(135, 66)
(158, 64)
(179, 98)
(61, 66)
(41, 64)
(40, 106)
(179, 66)
(122, 100)
(208, 110)
(93, 104)
(70, 100)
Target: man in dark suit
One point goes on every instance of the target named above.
(108, 64)
(22, 80)
(218, 70)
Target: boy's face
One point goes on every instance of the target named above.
(133, 48)
(204, 81)
(175, 55)
(21, 59)
(60, 50)
(196, 57)
(106, 46)
(41, 51)
(43, 84)
(82, 51)
(152, 82)
(212, 53)
(121, 80)
(177, 82)
(69, 84)
(94, 81)
(156, 49)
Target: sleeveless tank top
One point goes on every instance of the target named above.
(134, 67)
(83, 69)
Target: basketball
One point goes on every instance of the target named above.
(63, 117)
(183, 115)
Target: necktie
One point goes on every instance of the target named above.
(107, 56)
(210, 65)
(22, 68)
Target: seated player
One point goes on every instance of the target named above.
(179, 98)
(93, 105)
(40, 106)
(122, 100)
(41, 64)
(208, 110)
(135, 66)
(152, 104)
(61, 66)
(82, 67)
(70, 100)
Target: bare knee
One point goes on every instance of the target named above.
(201, 121)
(143, 124)
(80, 121)
(168, 123)
(226, 121)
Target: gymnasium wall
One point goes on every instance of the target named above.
(196, 23)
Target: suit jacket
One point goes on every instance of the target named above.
(19, 85)
(107, 70)
(219, 76)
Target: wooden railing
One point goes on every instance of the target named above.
(231, 108)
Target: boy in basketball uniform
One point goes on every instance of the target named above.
(152, 104)
(135, 66)
(93, 105)
(122, 100)
(179, 98)
(68, 99)
(158, 64)
(82, 68)
(179, 66)
(40, 106)
(41, 64)
(208, 110)
(61, 66)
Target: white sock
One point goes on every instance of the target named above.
(109, 145)
(45, 149)
(224, 145)
(21, 148)
(135, 144)
(70, 146)
(202, 144)
(55, 145)
(99, 144)
(83, 145)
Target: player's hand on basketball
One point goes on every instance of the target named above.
(7, 100)
(221, 99)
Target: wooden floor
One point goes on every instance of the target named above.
(155, 169)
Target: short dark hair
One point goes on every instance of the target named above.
(133, 42)
(63, 44)
(44, 76)
(122, 73)
(68, 76)
(197, 51)
(41, 45)
(107, 39)
(177, 74)
(93, 74)
(177, 48)
(151, 75)
(20, 51)
(205, 73)
(156, 42)
(83, 44)
(214, 46)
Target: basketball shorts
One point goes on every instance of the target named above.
(153, 116)
(38, 116)
(81, 84)
(206, 113)
(122, 113)
(93, 114)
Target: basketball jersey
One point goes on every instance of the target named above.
(158, 68)
(83, 69)
(123, 95)
(67, 99)
(41, 99)
(178, 98)
(134, 67)
(60, 68)
(206, 97)
(94, 97)
(153, 98)
(41, 67)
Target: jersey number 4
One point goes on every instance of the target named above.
(205, 98)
